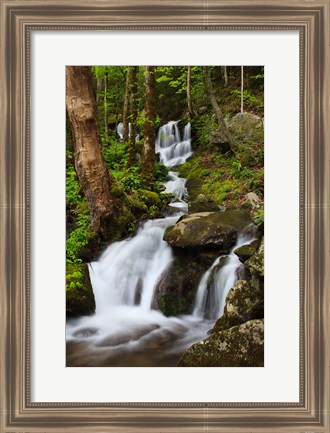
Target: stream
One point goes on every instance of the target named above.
(125, 331)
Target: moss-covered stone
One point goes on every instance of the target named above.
(246, 128)
(151, 198)
(243, 303)
(239, 346)
(256, 263)
(176, 289)
(79, 293)
(245, 252)
(208, 230)
(202, 204)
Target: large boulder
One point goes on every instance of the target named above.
(176, 289)
(255, 265)
(208, 230)
(244, 302)
(239, 346)
(79, 292)
(220, 139)
(246, 128)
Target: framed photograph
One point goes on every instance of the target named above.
(240, 131)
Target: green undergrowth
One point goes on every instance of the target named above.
(82, 242)
(224, 179)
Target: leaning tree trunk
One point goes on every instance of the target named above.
(190, 106)
(133, 115)
(93, 175)
(148, 151)
(226, 135)
(128, 92)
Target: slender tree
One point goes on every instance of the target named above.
(93, 175)
(225, 74)
(226, 135)
(190, 106)
(105, 107)
(148, 152)
(133, 114)
(242, 88)
(126, 111)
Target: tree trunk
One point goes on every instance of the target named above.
(127, 99)
(225, 74)
(93, 175)
(190, 106)
(105, 108)
(148, 152)
(226, 135)
(99, 86)
(133, 115)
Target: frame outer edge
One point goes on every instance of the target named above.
(12, 212)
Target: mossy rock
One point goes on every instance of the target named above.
(208, 230)
(239, 346)
(244, 302)
(176, 289)
(202, 204)
(151, 198)
(80, 299)
(245, 252)
(246, 128)
(256, 263)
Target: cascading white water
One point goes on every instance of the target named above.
(218, 280)
(124, 279)
(171, 149)
(128, 271)
(174, 152)
(120, 128)
(125, 330)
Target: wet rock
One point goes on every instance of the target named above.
(79, 293)
(245, 252)
(244, 302)
(239, 346)
(207, 230)
(176, 289)
(256, 263)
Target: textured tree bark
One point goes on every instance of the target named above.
(127, 99)
(226, 135)
(94, 177)
(133, 116)
(190, 106)
(105, 108)
(148, 152)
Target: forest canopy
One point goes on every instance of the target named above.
(115, 178)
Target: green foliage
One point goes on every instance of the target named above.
(79, 237)
(73, 195)
(259, 218)
(250, 100)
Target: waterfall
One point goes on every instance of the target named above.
(174, 152)
(125, 330)
(220, 278)
(128, 271)
(120, 132)
(171, 149)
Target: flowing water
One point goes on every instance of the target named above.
(125, 330)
